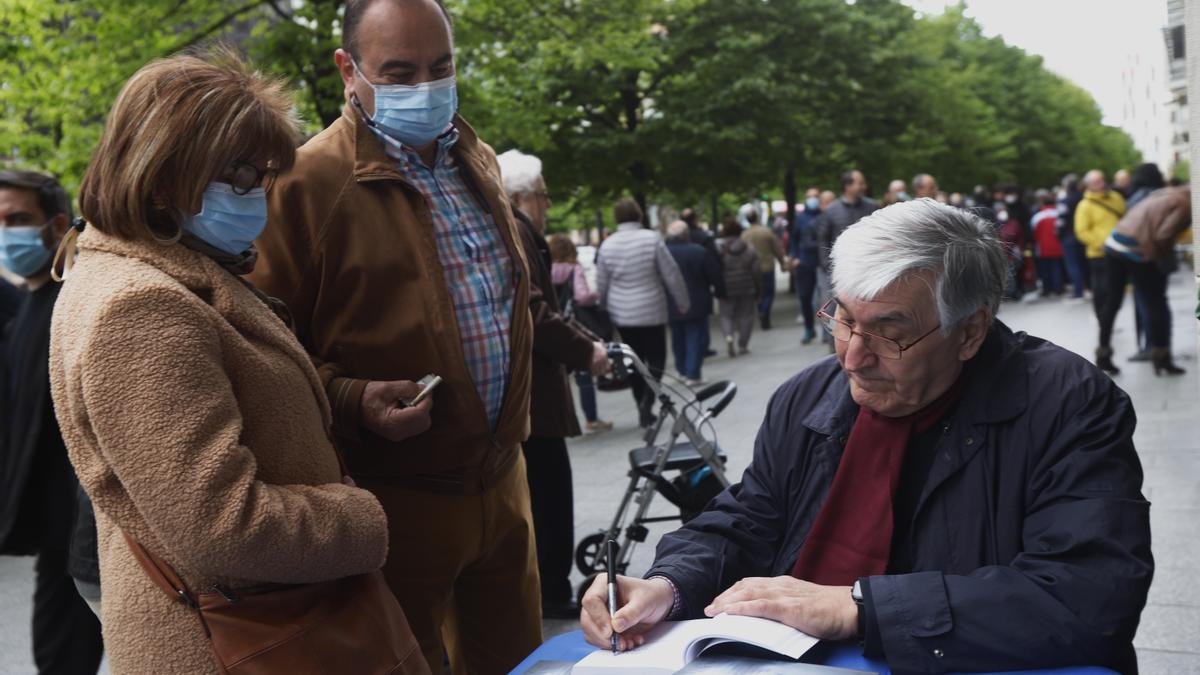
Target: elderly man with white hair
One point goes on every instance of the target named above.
(557, 346)
(953, 495)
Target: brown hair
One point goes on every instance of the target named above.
(562, 249)
(626, 210)
(176, 125)
(730, 227)
(52, 199)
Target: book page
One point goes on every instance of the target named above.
(777, 637)
(673, 644)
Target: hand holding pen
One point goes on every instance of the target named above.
(643, 603)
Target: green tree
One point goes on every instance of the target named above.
(65, 61)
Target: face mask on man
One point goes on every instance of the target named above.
(812, 203)
(1010, 199)
(413, 114)
(229, 221)
(22, 250)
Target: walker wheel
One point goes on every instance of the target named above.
(589, 554)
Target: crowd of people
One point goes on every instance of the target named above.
(224, 403)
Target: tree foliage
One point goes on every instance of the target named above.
(683, 100)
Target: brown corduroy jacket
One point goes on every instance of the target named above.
(351, 249)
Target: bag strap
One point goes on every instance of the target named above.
(1104, 206)
(160, 573)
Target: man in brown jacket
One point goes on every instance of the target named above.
(557, 345)
(396, 250)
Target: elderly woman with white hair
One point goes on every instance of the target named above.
(953, 495)
(557, 346)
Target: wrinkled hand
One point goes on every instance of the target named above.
(600, 363)
(383, 414)
(825, 612)
(645, 602)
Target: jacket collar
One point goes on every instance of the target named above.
(371, 160)
(995, 391)
(226, 293)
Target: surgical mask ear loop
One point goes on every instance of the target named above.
(67, 250)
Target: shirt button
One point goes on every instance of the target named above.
(970, 441)
(937, 653)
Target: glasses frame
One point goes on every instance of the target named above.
(867, 336)
(240, 166)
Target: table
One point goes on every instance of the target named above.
(571, 647)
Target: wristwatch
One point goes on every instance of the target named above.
(856, 595)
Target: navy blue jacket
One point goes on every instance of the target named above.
(702, 274)
(802, 245)
(1031, 539)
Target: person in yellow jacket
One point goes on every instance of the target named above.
(1095, 218)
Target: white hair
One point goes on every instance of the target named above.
(677, 230)
(961, 250)
(519, 171)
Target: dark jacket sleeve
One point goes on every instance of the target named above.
(553, 336)
(1073, 596)
(738, 534)
(713, 275)
(824, 232)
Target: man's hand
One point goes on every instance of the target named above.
(825, 612)
(645, 602)
(383, 414)
(600, 363)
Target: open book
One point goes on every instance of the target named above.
(673, 644)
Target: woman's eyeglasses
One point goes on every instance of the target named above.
(246, 176)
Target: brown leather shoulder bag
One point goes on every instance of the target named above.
(349, 625)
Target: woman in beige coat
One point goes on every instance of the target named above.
(194, 418)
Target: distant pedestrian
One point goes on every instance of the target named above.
(702, 275)
(634, 273)
(743, 285)
(897, 192)
(38, 487)
(1141, 248)
(835, 218)
(1123, 183)
(766, 245)
(1147, 178)
(1074, 255)
(1095, 218)
(1048, 250)
(924, 185)
(802, 247)
(571, 285)
(708, 240)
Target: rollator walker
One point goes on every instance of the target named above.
(696, 462)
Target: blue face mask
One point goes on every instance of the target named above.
(812, 203)
(414, 114)
(227, 220)
(22, 250)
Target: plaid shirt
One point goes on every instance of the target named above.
(475, 264)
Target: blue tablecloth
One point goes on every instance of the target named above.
(571, 647)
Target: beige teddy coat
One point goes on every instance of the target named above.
(196, 424)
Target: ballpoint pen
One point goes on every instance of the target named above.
(610, 559)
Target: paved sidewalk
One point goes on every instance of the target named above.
(1168, 439)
